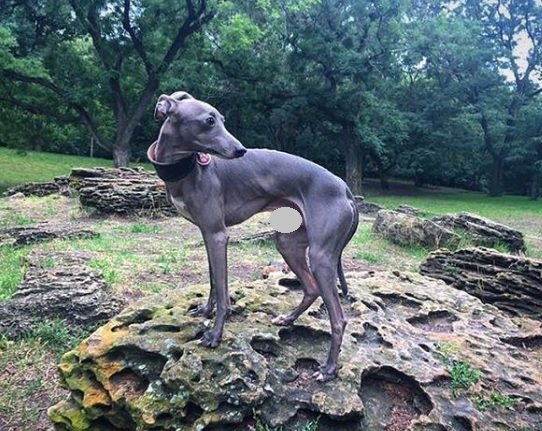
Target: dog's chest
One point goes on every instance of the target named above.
(180, 204)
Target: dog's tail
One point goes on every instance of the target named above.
(342, 280)
(355, 222)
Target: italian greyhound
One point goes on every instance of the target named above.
(238, 183)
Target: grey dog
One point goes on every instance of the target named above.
(239, 183)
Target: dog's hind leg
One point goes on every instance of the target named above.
(293, 247)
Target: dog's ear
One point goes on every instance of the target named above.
(163, 108)
(181, 95)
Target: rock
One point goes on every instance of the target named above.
(511, 283)
(58, 285)
(407, 209)
(365, 207)
(404, 229)
(274, 266)
(146, 370)
(25, 235)
(15, 196)
(59, 185)
(123, 191)
(482, 231)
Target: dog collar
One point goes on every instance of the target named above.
(175, 171)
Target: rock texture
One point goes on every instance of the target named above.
(58, 285)
(59, 185)
(145, 369)
(509, 282)
(407, 209)
(482, 231)
(405, 229)
(366, 208)
(123, 191)
(25, 235)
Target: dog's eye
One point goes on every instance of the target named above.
(211, 121)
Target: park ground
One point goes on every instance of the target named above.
(143, 256)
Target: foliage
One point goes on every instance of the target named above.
(444, 93)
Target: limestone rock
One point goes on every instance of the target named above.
(25, 235)
(58, 285)
(509, 282)
(123, 191)
(145, 369)
(405, 229)
(482, 231)
(59, 185)
(407, 209)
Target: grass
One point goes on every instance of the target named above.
(28, 379)
(144, 228)
(506, 207)
(11, 269)
(495, 400)
(17, 168)
(370, 248)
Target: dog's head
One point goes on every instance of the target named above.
(194, 126)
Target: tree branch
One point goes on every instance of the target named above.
(84, 116)
(136, 41)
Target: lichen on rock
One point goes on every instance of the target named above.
(145, 369)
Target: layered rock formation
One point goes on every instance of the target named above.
(25, 235)
(483, 232)
(405, 229)
(145, 369)
(58, 185)
(122, 191)
(58, 285)
(511, 283)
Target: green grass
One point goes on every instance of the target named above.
(495, 400)
(11, 270)
(55, 335)
(371, 248)
(144, 228)
(16, 168)
(506, 207)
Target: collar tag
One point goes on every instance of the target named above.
(203, 159)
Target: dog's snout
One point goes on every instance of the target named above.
(240, 153)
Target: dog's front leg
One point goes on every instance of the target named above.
(216, 244)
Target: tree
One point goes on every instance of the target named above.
(104, 61)
(504, 23)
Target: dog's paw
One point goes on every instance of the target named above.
(210, 339)
(326, 373)
(282, 320)
(201, 310)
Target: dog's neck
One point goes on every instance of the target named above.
(167, 152)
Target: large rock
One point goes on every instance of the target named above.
(406, 229)
(482, 231)
(58, 285)
(24, 235)
(145, 369)
(509, 282)
(122, 191)
(366, 207)
(58, 185)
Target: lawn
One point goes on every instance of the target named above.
(506, 207)
(17, 168)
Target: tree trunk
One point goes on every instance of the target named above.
(535, 185)
(354, 162)
(122, 152)
(497, 171)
